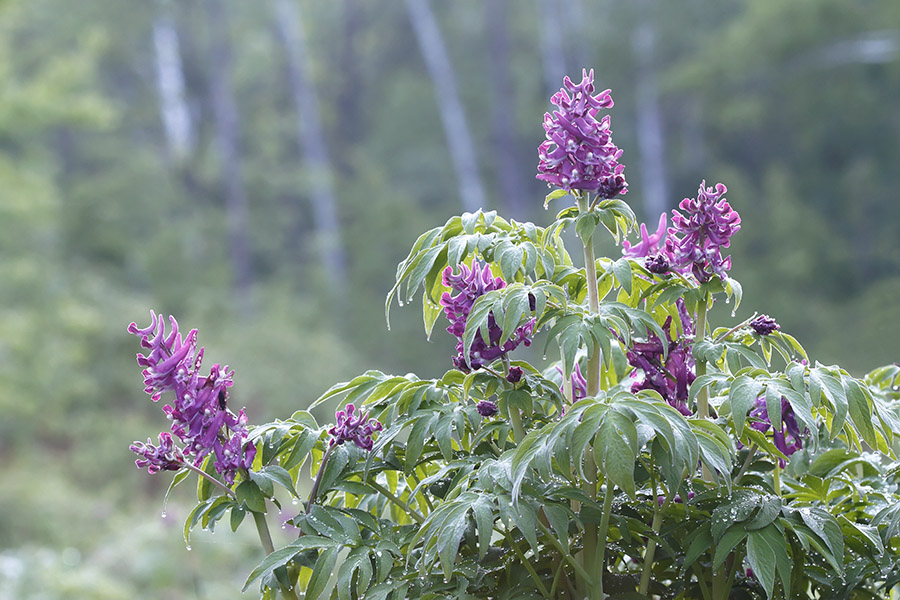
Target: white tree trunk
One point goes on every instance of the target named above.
(228, 141)
(173, 108)
(651, 136)
(462, 151)
(553, 55)
(312, 145)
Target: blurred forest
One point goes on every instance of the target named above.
(258, 169)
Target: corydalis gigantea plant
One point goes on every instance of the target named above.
(652, 455)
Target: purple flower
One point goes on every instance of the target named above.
(579, 153)
(764, 325)
(165, 457)
(579, 383)
(514, 375)
(671, 379)
(468, 285)
(649, 244)
(696, 238)
(200, 416)
(357, 429)
(657, 263)
(486, 408)
(789, 438)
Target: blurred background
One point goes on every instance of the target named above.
(258, 169)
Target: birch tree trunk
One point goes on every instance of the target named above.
(228, 140)
(553, 57)
(312, 146)
(651, 136)
(462, 151)
(505, 142)
(173, 108)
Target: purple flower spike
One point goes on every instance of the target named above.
(199, 413)
(789, 439)
(468, 285)
(357, 429)
(697, 236)
(486, 408)
(764, 325)
(579, 153)
(671, 379)
(579, 383)
(165, 457)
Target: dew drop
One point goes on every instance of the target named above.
(294, 501)
(188, 548)
(163, 514)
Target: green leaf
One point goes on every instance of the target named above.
(554, 195)
(357, 562)
(321, 575)
(622, 271)
(617, 455)
(249, 494)
(828, 529)
(732, 536)
(761, 557)
(483, 508)
(237, 517)
(743, 393)
(860, 410)
(283, 556)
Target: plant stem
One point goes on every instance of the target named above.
(262, 527)
(750, 454)
(527, 564)
(413, 513)
(569, 558)
(776, 479)
(600, 556)
(315, 487)
(518, 430)
(656, 525)
(704, 589)
(591, 538)
(699, 335)
(703, 396)
(211, 479)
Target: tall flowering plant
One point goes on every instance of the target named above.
(657, 456)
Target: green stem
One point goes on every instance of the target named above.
(569, 558)
(227, 490)
(703, 396)
(750, 454)
(776, 478)
(413, 513)
(591, 537)
(315, 488)
(704, 589)
(518, 430)
(262, 527)
(656, 525)
(600, 556)
(527, 564)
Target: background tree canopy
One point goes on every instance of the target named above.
(259, 169)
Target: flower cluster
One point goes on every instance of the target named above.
(789, 438)
(200, 417)
(672, 378)
(579, 153)
(165, 457)
(764, 325)
(357, 429)
(697, 237)
(467, 286)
